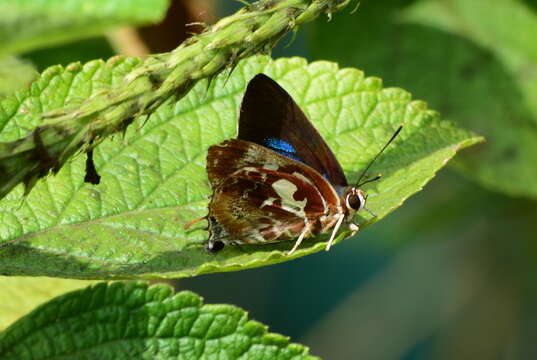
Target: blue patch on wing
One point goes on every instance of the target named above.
(282, 148)
(278, 144)
(286, 149)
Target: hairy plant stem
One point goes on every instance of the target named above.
(254, 29)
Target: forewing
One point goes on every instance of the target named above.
(271, 118)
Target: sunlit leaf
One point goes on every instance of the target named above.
(154, 180)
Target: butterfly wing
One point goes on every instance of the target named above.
(271, 118)
(261, 196)
(250, 206)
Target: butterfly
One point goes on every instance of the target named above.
(278, 180)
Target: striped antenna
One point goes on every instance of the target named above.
(358, 184)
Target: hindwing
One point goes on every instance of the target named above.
(261, 196)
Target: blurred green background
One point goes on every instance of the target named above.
(451, 274)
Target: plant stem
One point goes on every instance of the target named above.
(253, 29)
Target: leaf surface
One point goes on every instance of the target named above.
(30, 24)
(14, 74)
(20, 295)
(154, 179)
(135, 321)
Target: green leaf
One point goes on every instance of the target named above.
(154, 180)
(30, 24)
(82, 125)
(468, 59)
(20, 295)
(14, 74)
(135, 321)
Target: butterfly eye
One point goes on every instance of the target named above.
(355, 201)
(214, 246)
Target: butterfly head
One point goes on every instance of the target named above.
(354, 200)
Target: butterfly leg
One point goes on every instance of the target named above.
(187, 226)
(303, 234)
(334, 232)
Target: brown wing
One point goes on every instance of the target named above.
(261, 196)
(259, 205)
(232, 155)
